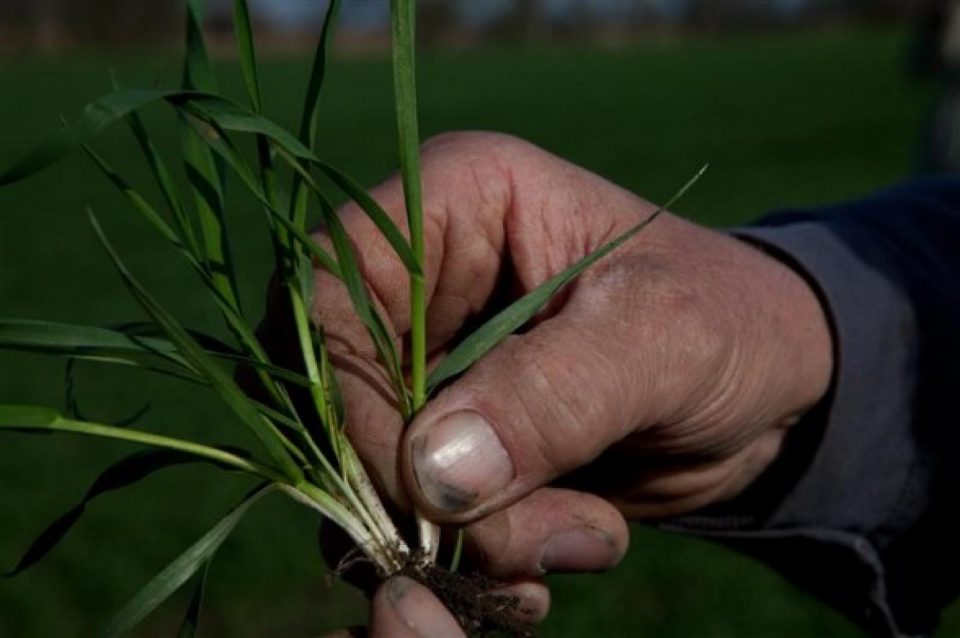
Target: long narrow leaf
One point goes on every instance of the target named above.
(234, 319)
(191, 622)
(163, 178)
(377, 215)
(75, 340)
(124, 473)
(225, 149)
(360, 298)
(177, 573)
(207, 177)
(145, 209)
(96, 116)
(206, 173)
(266, 432)
(403, 22)
(521, 311)
(231, 117)
(243, 30)
(197, 70)
(318, 74)
(90, 343)
(228, 116)
(310, 118)
(40, 419)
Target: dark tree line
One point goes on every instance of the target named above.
(52, 24)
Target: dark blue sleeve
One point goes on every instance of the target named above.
(863, 507)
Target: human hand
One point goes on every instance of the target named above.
(403, 608)
(669, 373)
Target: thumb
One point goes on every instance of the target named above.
(538, 406)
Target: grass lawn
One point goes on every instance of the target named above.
(787, 121)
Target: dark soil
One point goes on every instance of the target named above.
(470, 598)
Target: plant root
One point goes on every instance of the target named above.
(473, 600)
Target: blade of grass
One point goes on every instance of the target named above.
(225, 149)
(509, 320)
(310, 118)
(181, 570)
(205, 172)
(360, 298)
(197, 70)
(161, 173)
(191, 623)
(111, 346)
(273, 441)
(95, 117)
(126, 472)
(375, 212)
(41, 419)
(231, 117)
(243, 34)
(163, 178)
(298, 273)
(206, 176)
(403, 23)
(111, 108)
(235, 321)
(72, 340)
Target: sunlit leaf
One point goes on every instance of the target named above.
(512, 318)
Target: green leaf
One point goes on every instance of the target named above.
(191, 623)
(205, 173)
(197, 70)
(144, 208)
(377, 215)
(231, 314)
(104, 345)
(28, 418)
(95, 117)
(403, 24)
(310, 118)
(232, 117)
(82, 342)
(225, 149)
(360, 298)
(161, 173)
(243, 31)
(181, 570)
(318, 74)
(207, 177)
(273, 441)
(509, 320)
(122, 474)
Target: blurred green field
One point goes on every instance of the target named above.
(785, 121)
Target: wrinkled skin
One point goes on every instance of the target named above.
(665, 378)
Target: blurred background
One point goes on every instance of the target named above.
(793, 102)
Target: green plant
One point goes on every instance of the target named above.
(308, 456)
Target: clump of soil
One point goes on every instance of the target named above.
(471, 598)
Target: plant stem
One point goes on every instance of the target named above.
(403, 22)
(71, 426)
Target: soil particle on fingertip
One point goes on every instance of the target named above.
(473, 600)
